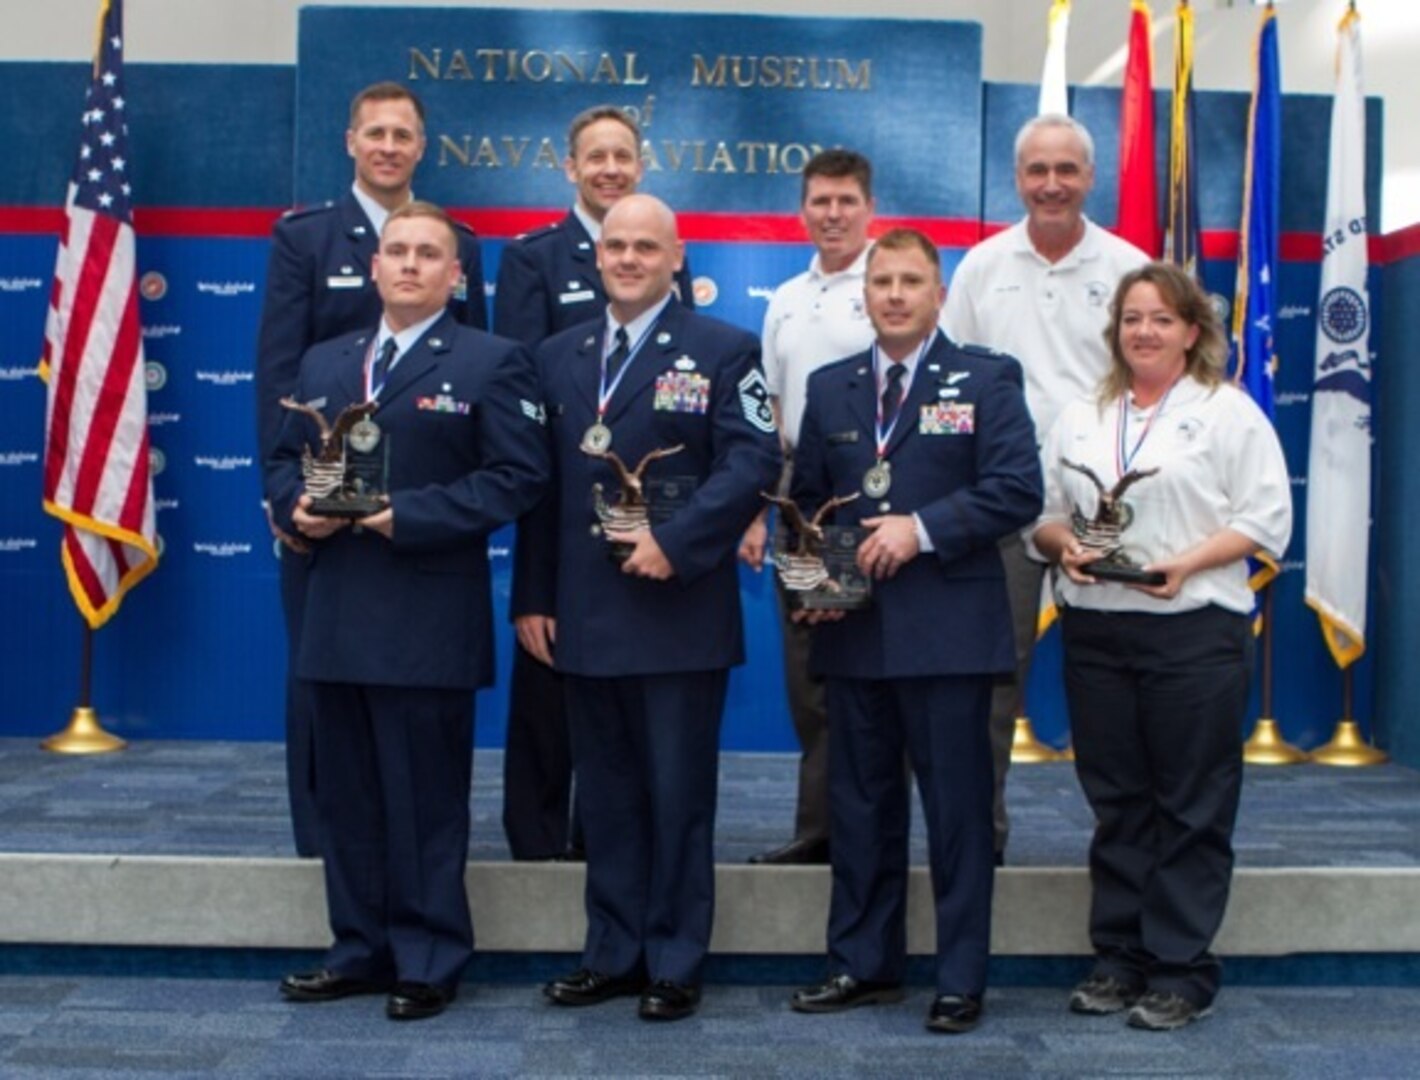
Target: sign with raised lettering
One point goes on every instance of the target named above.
(731, 107)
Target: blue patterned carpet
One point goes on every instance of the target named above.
(214, 798)
(65, 1014)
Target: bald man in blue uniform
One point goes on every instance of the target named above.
(318, 286)
(645, 644)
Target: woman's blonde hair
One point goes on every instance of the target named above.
(1208, 356)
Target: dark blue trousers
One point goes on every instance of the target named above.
(646, 750)
(396, 765)
(941, 725)
(300, 712)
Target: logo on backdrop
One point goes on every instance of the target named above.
(226, 289)
(155, 376)
(222, 463)
(11, 458)
(161, 330)
(19, 284)
(706, 291)
(157, 461)
(153, 286)
(9, 545)
(224, 549)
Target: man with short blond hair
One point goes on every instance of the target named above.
(398, 628)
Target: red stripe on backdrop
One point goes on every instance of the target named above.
(704, 227)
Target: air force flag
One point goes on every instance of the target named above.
(1339, 470)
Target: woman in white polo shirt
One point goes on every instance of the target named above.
(1157, 670)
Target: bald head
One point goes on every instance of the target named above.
(638, 254)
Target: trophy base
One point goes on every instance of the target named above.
(353, 507)
(1104, 570)
(618, 551)
(826, 600)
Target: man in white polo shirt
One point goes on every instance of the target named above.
(1040, 291)
(813, 319)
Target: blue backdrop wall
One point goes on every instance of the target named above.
(218, 150)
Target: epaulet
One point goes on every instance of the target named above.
(532, 236)
(299, 212)
(981, 350)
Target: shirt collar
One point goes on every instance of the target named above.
(636, 329)
(1086, 249)
(591, 224)
(405, 339)
(373, 210)
(857, 268)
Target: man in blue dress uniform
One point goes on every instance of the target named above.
(936, 442)
(548, 282)
(645, 644)
(398, 632)
(318, 286)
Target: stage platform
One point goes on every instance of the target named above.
(186, 844)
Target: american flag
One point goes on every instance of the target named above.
(96, 477)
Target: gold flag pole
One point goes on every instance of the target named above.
(1267, 746)
(84, 735)
(1348, 746)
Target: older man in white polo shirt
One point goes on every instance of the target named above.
(1039, 291)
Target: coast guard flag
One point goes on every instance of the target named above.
(1255, 298)
(1053, 98)
(1138, 183)
(1181, 237)
(96, 477)
(1339, 469)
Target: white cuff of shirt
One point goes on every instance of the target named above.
(924, 542)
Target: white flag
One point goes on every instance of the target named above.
(1052, 79)
(1339, 469)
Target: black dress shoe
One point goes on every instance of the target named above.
(665, 1000)
(587, 987)
(327, 986)
(845, 992)
(417, 1001)
(794, 853)
(954, 1014)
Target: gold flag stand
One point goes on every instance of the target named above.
(1267, 746)
(1347, 746)
(84, 735)
(1026, 749)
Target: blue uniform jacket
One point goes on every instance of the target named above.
(609, 623)
(974, 480)
(548, 282)
(318, 287)
(468, 453)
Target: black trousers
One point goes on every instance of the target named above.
(1156, 711)
(537, 764)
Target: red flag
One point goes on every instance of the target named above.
(96, 477)
(1138, 191)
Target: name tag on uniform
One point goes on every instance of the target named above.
(947, 418)
(345, 281)
(682, 392)
(575, 297)
(841, 438)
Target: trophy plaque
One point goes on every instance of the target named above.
(1102, 533)
(820, 571)
(349, 476)
(640, 503)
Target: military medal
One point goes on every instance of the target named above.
(877, 481)
(364, 436)
(596, 439)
